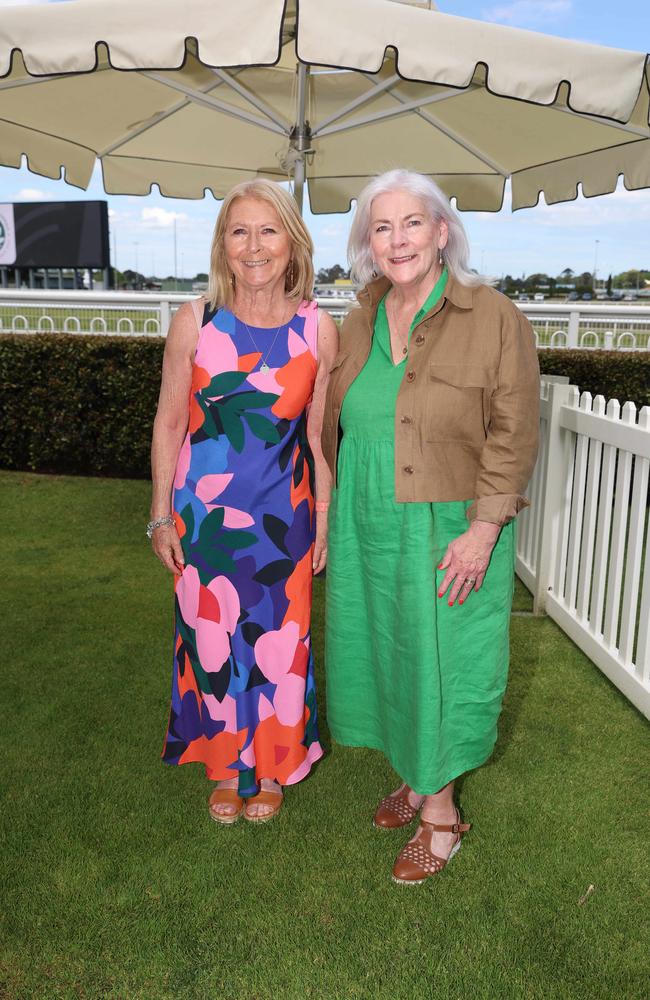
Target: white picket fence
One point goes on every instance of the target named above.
(582, 545)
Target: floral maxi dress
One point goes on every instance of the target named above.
(243, 690)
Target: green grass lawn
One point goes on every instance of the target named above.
(117, 884)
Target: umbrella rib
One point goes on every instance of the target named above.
(253, 99)
(619, 126)
(369, 95)
(196, 97)
(154, 120)
(432, 120)
(406, 106)
(29, 81)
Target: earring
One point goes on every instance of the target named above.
(290, 275)
(441, 259)
(374, 270)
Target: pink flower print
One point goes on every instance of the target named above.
(295, 344)
(274, 651)
(265, 381)
(217, 353)
(222, 711)
(289, 699)
(264, 708)
(247, 756)
(187, 591)
(212, 644)
(228, 599)
(314, 753)
(209, 488)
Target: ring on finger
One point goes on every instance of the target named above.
(469, 581)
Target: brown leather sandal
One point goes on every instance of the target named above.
(226, 797)
(267, 797)
(395, 811)
(415, 863)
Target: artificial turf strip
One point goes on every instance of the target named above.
(118, 885)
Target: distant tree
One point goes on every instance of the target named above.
(585, 283)
(533, 281)
(201, 277)
(566, 274)
(328, 275)
(609, 287)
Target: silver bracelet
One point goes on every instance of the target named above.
(159, 522)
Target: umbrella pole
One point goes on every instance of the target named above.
(300, 136)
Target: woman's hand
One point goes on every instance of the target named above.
(167, 546)
(466, 560)
(320, 545)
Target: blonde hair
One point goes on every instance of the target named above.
(456, 252)
(221, 291)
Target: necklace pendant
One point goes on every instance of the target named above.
(264, 368)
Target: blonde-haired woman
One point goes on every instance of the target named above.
(234, 513)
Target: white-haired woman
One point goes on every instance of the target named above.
(430, 433)
(233, 513)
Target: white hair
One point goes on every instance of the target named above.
(455, 254)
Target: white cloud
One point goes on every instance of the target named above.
(160, 218)
(527, 13)
(618, 208)
(31, 194)
(334, 231)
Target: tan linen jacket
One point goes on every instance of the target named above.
(467, 413)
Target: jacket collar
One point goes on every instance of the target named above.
(371, 294)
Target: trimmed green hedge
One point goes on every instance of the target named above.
(612, 374)
(86, 405)
(78, 404)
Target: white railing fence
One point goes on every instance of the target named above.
(623, 327)
(582, 545)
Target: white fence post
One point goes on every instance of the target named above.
(572, 338)
(165, 316)
(553, 498)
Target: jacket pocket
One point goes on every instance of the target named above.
(462, 376)
(458, 403)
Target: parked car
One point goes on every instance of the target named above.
(523, 298)
(538, 297)
(587, 296)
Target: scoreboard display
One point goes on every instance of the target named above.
(70, 234)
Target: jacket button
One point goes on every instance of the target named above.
(408, 469)
(419, 339)
(406, 420)
(410, 375)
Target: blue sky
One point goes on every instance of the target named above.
(613, 230)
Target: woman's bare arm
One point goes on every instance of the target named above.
(328, 343)
(170, 426)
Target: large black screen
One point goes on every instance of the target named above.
(62, 234)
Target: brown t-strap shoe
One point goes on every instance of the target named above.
(415, 863)
(395, 811)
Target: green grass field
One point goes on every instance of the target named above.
(116, 884)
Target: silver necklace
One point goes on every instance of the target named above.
(264, 368)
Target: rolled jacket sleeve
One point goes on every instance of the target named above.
(508, 455)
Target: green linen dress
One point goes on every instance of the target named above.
(407, 674)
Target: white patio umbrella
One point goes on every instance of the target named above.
(210, 92)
